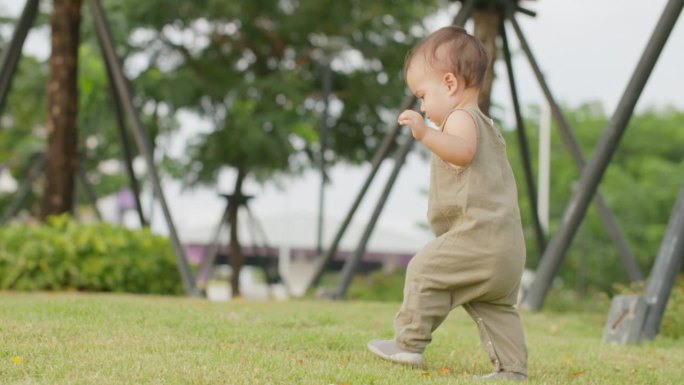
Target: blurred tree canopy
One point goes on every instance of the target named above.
(253, 70)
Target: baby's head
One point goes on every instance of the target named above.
(452, 50)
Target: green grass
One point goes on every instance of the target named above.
(125, 339)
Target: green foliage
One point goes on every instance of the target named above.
(672, 325)
(22, 127)
(65, 255)
(640, 186)
(377, 286)
(253, 70)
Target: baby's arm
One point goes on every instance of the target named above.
(455, 145)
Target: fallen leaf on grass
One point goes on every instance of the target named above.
(300, 362)
(578, 373)
(443, 371)
(425, 373)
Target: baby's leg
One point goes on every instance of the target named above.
(426, 303)
(501, 334)
(423, 310)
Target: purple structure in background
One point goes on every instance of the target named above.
(373, 260)
(125, 199)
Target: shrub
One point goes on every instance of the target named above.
(62, 254)
(377, 286)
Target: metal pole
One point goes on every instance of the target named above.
(102, 29)
(209, 255)
(664, 273)
(324, 146)
(544, 166)
(593, 172)
(523, 146)
(353, 262)
(125, 144)
(464, 13)
(35, 169)
(12, 54)
(609, 222)
(379, 156)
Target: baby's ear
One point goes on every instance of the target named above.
(451, 81)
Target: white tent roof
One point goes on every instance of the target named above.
(301, 231)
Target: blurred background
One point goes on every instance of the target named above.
(288, 101)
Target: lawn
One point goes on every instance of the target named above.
(124, 339)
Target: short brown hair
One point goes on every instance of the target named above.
(463, 54)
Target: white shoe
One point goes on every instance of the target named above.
(388, 350)
(503, 376)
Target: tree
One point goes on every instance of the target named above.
(24, 132)
(252, 69)
(62, 154)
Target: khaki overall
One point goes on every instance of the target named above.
(477, 257)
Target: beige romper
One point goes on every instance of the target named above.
(477, 257)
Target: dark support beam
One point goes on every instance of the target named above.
(141, 138)
(664, 273)
(610, 224)
(595, 168)
(464, 12)
(352, 263)
(125, 144)
(326, 74)
(37, 164)
(12, 54)
(523, 146)
(209, 256)
(380, 155)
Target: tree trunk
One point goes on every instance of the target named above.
(235, 257)
(62, 95)
(487, 25)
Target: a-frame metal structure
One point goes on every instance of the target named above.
(122, 101)
(591, 171)
(671, 253)
(508, 10)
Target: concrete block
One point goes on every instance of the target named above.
(625, 320)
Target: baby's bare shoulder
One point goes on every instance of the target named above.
(459, 122)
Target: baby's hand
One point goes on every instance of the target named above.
(415, 121)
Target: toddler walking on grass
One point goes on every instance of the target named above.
(477, 258)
